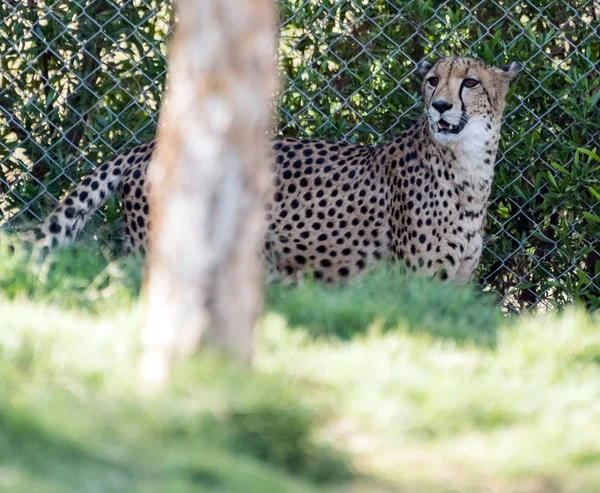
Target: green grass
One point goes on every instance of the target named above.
(71, 418)
(388, 299)
(386, 384)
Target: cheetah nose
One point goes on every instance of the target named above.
(441, 105)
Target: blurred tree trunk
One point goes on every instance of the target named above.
(207, 182)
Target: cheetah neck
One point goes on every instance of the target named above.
(465, 165)
(471, 158)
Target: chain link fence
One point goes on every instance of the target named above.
(81, 80)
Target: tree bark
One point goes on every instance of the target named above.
(207, 183)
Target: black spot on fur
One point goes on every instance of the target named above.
(54, 227)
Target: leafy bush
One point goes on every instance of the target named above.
(92, 89)
(79, 81)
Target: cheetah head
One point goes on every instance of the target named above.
(465, 98)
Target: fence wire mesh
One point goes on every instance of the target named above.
(81, 80)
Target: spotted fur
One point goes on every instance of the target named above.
(336, 207)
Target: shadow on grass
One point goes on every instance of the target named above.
(259, 440)
(57, 463)
(394, 301)
(48, 455)
(213, 429)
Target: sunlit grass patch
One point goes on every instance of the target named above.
(71, 407)
(522, 411)
(78, 277)
(421, 386)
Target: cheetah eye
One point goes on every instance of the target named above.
(433, 81)
(470, 83)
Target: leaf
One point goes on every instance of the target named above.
(559, 168)
(591, 154)
(593, 101)
(591, 217)
(51, 97)
(594, 193)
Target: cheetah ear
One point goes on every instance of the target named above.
(511, 70)
(424, 67)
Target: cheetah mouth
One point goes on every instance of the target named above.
(443, 127)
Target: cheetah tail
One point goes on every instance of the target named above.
(65, 222)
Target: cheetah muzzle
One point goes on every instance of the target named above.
(336, 207)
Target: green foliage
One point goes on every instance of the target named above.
(75, 277)
(387, 299)
(86, 278)
(79, 80)
(70, 97)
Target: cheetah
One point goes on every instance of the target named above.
(335, 207)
